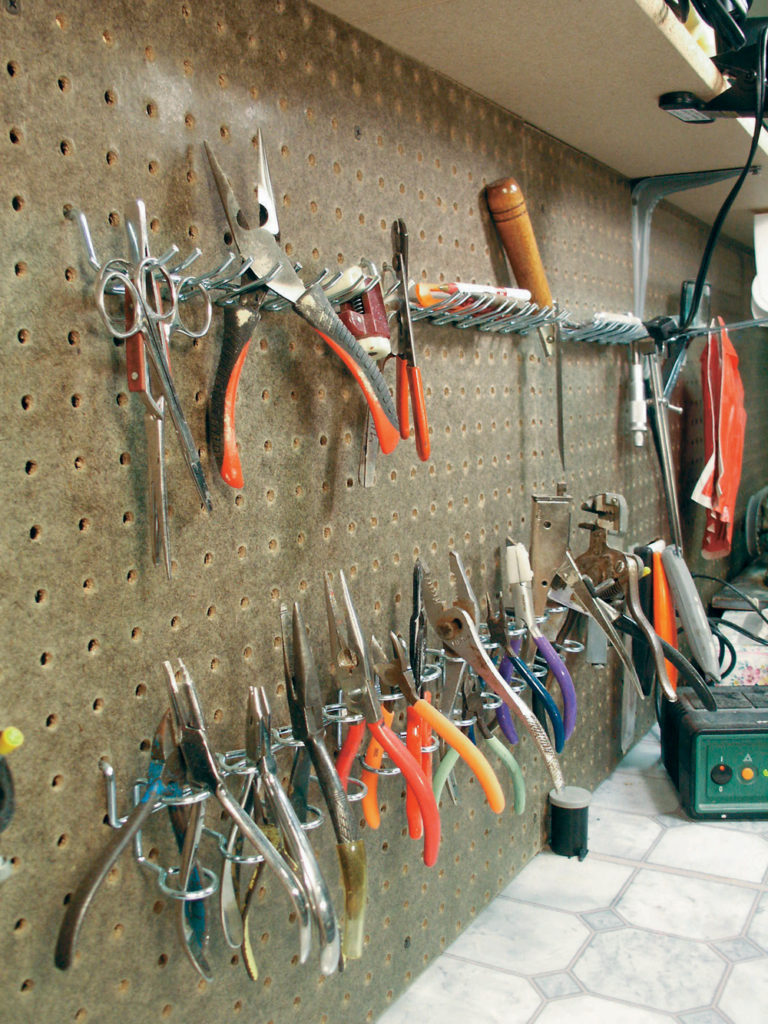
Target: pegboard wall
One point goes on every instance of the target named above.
(105, 103)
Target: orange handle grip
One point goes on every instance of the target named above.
(373, 758)
(664, 612)
(401, 394)
(510, 215)
(413, 743)
(420, 425)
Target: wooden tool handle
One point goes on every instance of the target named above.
(510, 214)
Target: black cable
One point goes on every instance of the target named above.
(724, 210)
(725, 645)
(740, 629)
(626, 625)
(739, 593)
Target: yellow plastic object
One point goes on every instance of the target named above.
(354, 874)
(10, 739)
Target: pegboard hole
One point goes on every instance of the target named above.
(34, 533)
(111, 157)
(56, 781)
(141, 690)
(12, 68)
(62, 840)
(20, 925)
(65, 147)
(30, 468)
(17, 203)
(26, 402)
(162, 960)
(73, 337)
(16, 136)
(98, 705)
(52, 721)
(27, 985)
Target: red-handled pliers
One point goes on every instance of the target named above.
(352, 660)
(409, 380)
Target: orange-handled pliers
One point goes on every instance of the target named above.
(422, 718)
(408, 379)
(352, 660)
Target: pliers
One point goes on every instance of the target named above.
(352, 661)
(519, 576)
(473, 711)
(306, 708)
(165, 778)
(266, 265)
(456, 628)
(408, 380)
(202, 769)
(422, 717)
(513, 665)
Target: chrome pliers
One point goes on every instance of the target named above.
(455, 626)
(354, 670)
(308, 726)
(266, 266)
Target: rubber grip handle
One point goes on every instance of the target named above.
(313, 306)
(239, 324)
(664, 612)
(691, 611)
(444, 769)
(509, 761)
(510, 215)
(354, 877)
(348, 752)
(413, 743)
(420, 425)
(401, 396)
(564, 681)
(373, 758)
(468, 752)
(503, 714)
(414, 778)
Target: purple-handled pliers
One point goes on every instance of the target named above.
(519, 576)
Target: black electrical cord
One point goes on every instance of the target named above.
(725, 646)
(739, 593)
(724, 210)
(626, 625)
(740, 629)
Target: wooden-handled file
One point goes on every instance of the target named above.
(510, 214)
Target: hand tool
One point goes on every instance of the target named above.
(474, 709)
(202, 769)
(519, 576)
(408, 373)
(454, 625)
(417, 626)
(663, 610)
(396, 673)
(352, 661)
(165, 777)
(306, 707)
(511, 664)
(268, 266)
(151, 317)
(691, 612)
(258, 750)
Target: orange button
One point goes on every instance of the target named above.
(747, 774)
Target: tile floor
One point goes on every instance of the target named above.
(665, 920)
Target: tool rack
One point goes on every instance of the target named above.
(108, 102)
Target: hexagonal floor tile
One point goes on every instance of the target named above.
(566, 883)
(692, 908)
(521, 937)
(585, 1009)
(659, 971)
(715, 851)
(640, 794)
(745, 995)
(758, 929)
(452, 991)
(619, 834)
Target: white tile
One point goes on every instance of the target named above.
(745, 995)
(448, 993)
(715, 851)
(655, 971)
(585, 1009)
(638, 794)
(686, 906)
(758, 929)
(566, 883)
(521, 937)
(621, 835)
(644, 757)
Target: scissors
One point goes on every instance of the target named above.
(152, 297)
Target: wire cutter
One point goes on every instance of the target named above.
(266, 265)
(456, 628)
(408, 380)
(519, 575)
(306, 707)
(352, 660)
(397, 675)
(202, 769)
(165, 777)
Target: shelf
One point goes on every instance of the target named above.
(589, 74)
